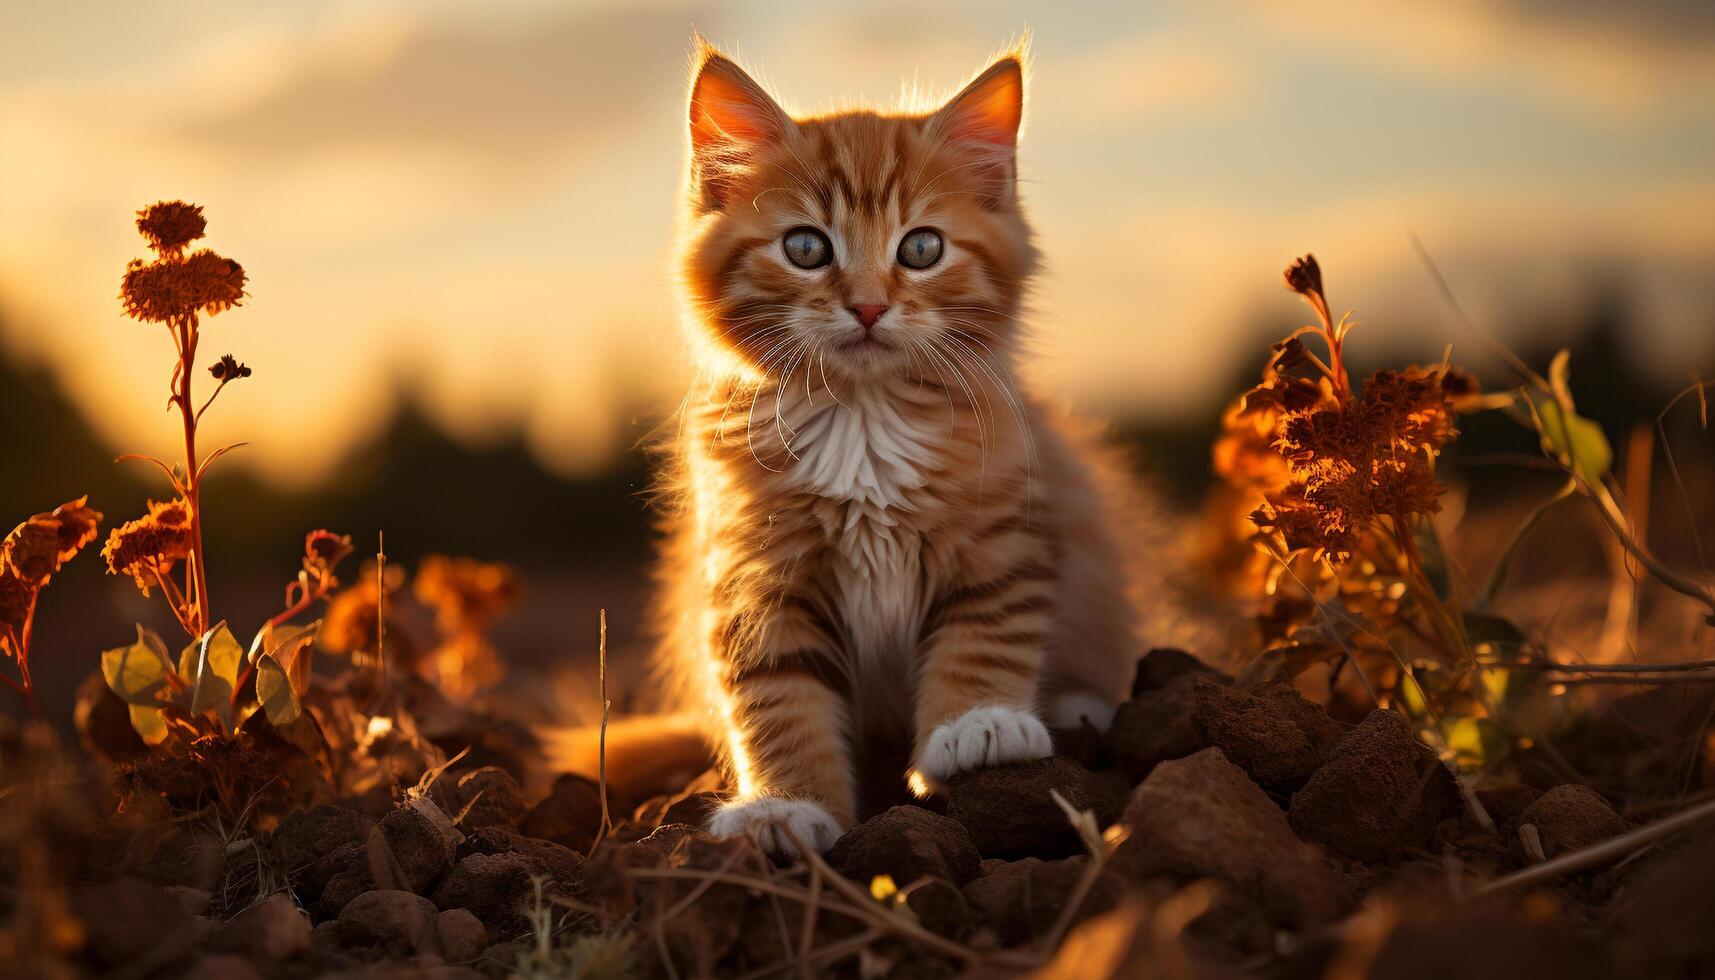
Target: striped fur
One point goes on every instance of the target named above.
(870, 541)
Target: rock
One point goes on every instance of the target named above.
(461, 935)
(491, 886)
(1020, 901)
(940, 908)
(1269, 731)
(221, 966)
(128, 917)
(544, 858)
(1008, 812)
(1202, 817)
(271, 930)
(423, 841)
(345, 886)
(1379, 795)
(304, 837)
(1086, 745)
(1163, 666)
(390, 922)
(1155, 725)
(907, 843)
(569, 816)
(490, 797)
(1570, 817)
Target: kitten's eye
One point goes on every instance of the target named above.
(920, 249)
(807, 248)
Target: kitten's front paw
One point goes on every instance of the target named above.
(981, 737)
(763, 819)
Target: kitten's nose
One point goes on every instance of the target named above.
(868, 313)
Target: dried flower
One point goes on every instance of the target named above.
(466, 593)
(228, 368)
(150, 545)
(171, 225)
(17, 599)
(178, 286)
(1304, 276)
(323, 550)
(40, 546)
(1348, 465)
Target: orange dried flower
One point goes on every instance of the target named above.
(324, 549)
(178, 286)
(17, 598)
(171, 225)
(150, 545)
(1348, 465)
(40, 546)
(466, 593)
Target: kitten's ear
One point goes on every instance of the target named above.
(730, 116)
(985, 117)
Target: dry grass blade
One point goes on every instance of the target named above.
(1597, 855)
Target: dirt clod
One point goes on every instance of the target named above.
(1008, 811)
(1269, 731)
(908, 843)
(269, 931)
(1570, 817)
(490, 797)
(570, 815)
(387, 922)
(461, 935)
(1202, 817)
(1379, 796)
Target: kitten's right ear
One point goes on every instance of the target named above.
(730, 117)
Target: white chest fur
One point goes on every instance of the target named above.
(868, 452)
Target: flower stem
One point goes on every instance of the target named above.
(196, 570)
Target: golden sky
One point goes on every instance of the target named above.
(479, 198)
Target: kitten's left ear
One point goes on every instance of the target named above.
(985, 117)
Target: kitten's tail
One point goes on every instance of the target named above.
(646, 754)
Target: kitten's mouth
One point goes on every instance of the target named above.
(866, 342)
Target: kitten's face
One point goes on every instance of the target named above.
(856, 245)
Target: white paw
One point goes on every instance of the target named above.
(765, 819)
(981, 737)
(1070, 711)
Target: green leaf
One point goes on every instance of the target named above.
(137, 673)
(1576, 441)
(217, 658)
(150, 723)
(274, 691)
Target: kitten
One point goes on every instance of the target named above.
(872, 529)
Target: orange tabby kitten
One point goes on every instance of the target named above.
(872, 529)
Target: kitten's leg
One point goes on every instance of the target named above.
(788, 738)
(980, 664)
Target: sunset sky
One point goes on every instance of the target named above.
(480, 198)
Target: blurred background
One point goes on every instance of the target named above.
(457, 222)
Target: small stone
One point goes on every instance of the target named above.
(421, 846)
(271, 930)
(490, 797)
(491, 887)
(462, 935)
(395, 923)
(1157, 724)
(906, 843)
(1022, 900)
(306, 836)
(1571, 817)
(1379, 796)
(569, 816)
(544, 858)
(1008, 812)
(1202, 817)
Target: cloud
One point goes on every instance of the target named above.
(1614, 60)
(500, 92)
